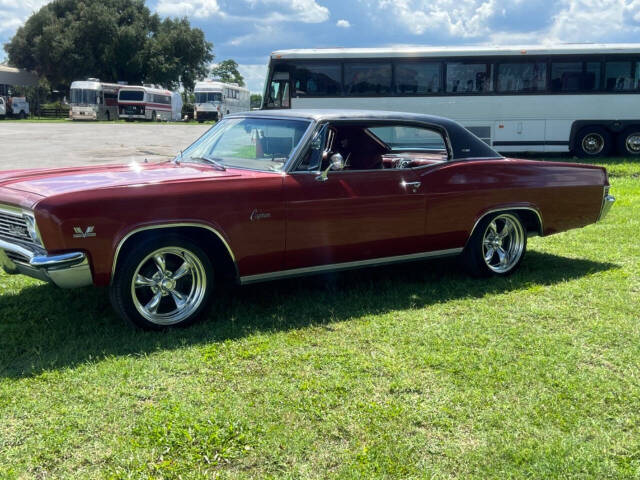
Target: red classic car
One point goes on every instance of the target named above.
(268, 195)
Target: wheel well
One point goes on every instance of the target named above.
(614, 127)
(206, 239)
(531, 221)
(530, 218)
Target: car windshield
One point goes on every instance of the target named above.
(84, 96)
(246, 142)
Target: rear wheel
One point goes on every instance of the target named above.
(593, 142)
(163, 283)
(629, 142)
(497, 245)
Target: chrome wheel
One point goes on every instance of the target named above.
(593, 143)
(503, 243)
(168, 285)
(632, 143)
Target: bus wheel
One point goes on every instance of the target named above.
(629, 142)
(593, 142)
(154, 117)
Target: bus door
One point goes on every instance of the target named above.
(279, 94)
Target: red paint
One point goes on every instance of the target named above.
(352, 216)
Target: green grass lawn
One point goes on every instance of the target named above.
(412, 371)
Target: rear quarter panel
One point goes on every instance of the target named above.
(459, 193)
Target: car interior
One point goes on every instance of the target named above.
(369, 147)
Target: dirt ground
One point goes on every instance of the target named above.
(34, 145)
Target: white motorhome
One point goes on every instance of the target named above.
(214, 99)
(582, 98)
(145, 103)
(94, 100)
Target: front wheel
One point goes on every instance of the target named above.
(163, 283)
(497, 245)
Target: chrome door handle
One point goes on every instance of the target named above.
(414, 186)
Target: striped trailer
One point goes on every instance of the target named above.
(144, 103)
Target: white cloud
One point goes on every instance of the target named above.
(343, 24)
(306, 11)
(254, 76)
(461, 18)
(14, 13)
(488, 21)
(189, 8)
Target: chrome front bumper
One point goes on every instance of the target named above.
(66, 270)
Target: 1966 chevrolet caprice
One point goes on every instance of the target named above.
(262, 196)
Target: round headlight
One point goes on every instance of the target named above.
(32, 228)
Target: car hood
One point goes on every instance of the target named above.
(68, 180)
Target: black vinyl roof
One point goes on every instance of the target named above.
(464, 144)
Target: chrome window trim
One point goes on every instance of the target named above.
(507, 209)
(164, 226)
(336, 267)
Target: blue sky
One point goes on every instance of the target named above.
(248, 30)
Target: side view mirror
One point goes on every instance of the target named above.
(336, 163)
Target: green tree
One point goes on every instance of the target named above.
(114, 40)
(227, 71)
(256, 100)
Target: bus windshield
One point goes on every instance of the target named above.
(81, 96)
(208, 97)
(254, 143)
(134, 95)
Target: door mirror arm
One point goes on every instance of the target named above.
(336, 163)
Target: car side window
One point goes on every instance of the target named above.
(410, 146)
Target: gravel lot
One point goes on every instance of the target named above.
(31, 145)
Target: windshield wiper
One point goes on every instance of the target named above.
(216, 162)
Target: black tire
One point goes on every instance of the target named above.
(162, 292)
(482, 243)
(593, 142)
(629, 142)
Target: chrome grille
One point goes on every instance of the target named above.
(14, 227)
(16, 257)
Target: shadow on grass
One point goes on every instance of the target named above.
(44, 328)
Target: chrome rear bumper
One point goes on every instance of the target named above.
(66, 270)
(607, 203)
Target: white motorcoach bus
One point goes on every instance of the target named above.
(92, 99)
(583, 98)
(214, 99)
(144, 103)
